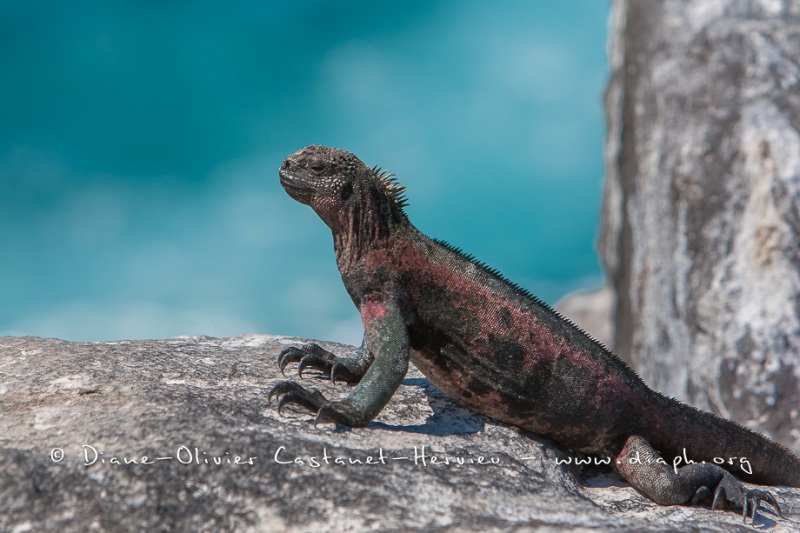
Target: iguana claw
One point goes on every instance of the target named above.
(308, 355)
(290, 392)
(338, 366)
(303, 355)
(324, 412)
(314, 361)
(748, 498)
(702, 494)
(753, 498)
(719, 498)
(314, 356)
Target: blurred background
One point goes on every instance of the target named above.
(140, 142)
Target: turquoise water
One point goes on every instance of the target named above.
(139, 147)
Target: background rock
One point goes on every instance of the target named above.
(701, 217)
(199, 398)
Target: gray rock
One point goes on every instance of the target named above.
(701, 216)
(184, 403)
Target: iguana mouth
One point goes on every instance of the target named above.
(287, 180)
(296, 188)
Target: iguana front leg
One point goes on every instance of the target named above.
(349, 369)
(386, 339)
(645, 469)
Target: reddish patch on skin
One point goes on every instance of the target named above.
(372, 309)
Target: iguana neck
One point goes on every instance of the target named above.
(373, 225)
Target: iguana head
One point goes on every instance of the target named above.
(344, 192)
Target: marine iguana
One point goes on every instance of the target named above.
(493, 347)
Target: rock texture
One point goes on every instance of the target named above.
(73, 414)
(701, 217)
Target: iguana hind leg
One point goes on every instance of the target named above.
(645, 469)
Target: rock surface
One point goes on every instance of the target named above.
(701, 217)
(72, 415)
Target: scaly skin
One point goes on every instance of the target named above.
(495, 348)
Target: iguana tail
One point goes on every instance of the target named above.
(686, 433)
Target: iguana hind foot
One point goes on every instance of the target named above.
(642, 466)
(732, 491)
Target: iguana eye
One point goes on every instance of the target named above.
(317, 168)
